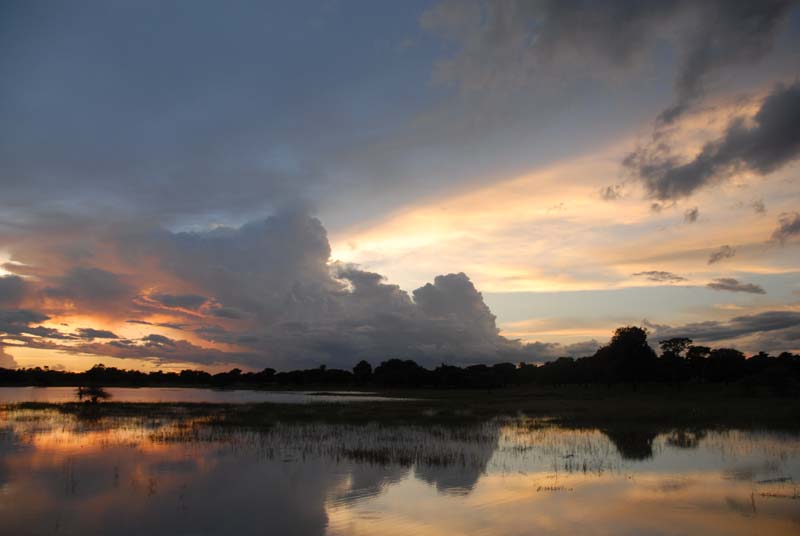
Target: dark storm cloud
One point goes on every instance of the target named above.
(164, 349)
(91, 333)
(508, 42)
(724, 252)
(773, 322)
(225, 312)
(734, 285)
(788, 227)
(185, 301)
(157, 340)
(20, 324)
(19, 317)
(92, 289)
(168, 111)
(170, 325)
(502, 43)
(762, 146)
(12, 290)
(660, 276)
(728, 33)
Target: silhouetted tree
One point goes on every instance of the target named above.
(362, 372)
(696, 356)
(674, 367)
(725, 364)
(627, 357)
(674, 347)
(92, 394)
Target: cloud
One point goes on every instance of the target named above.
(506, 43)
(91, 288)
(611, 193)
(185, 301)
(170, 325)
(7, 361)
(760, 145)
(510, 43)
(724, 252)
(268, 291)
(691, 215)
(20, 324)
(788, 227)
(12, 320)
(542, 352)
(731, 33)
(660, 276)
(13, 290)
(164, 349)
(780, 322)
(733, 285)
(91, 333)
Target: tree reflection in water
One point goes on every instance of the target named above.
(185, 475)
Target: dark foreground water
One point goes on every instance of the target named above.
(60, 474)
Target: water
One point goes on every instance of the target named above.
(10, 395)
(60, 474)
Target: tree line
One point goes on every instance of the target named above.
(627, 359)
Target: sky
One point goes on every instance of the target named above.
(294, 184)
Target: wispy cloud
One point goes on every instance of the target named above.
(724, 252)
(734, 285)
(660, 276)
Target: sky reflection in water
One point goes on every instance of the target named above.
(62, 475)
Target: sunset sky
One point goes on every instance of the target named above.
(208, 185)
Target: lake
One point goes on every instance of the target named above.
(58, 395)
(63, 473)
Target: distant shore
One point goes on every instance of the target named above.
(700, 405)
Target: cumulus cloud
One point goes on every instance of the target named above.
(660, 276)
(734, 285)
(268, 291)
(761, 145)
(7, 361)
(724, 252)
(788, 227)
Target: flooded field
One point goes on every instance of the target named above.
(67, 473)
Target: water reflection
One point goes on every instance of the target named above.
(137, 475)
